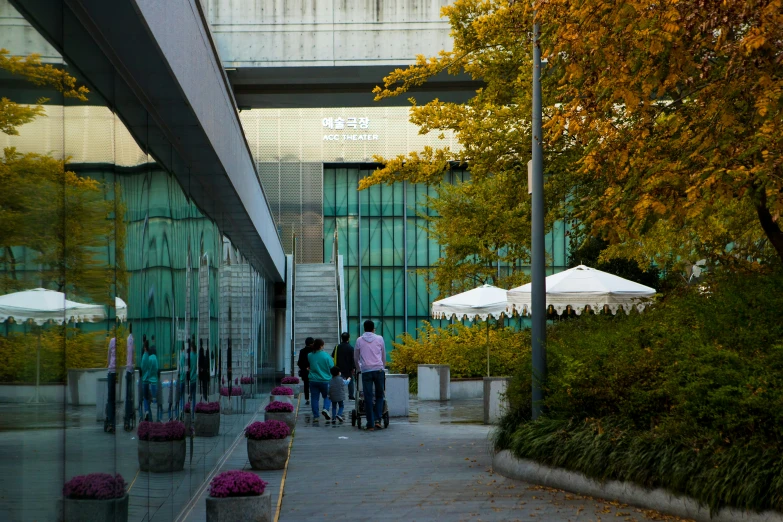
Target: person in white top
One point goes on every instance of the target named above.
(129, 370)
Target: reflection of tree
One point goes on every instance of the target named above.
(66, 220)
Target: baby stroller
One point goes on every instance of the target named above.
(359, 408)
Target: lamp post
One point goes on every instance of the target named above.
(538, 290)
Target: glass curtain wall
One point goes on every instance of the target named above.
(381, 233)
(102, 254)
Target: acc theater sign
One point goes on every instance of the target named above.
(343, 124)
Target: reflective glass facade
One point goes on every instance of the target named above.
(98, 238)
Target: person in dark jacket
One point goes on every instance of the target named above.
(304, 367)
(203, 371)
(343, 357)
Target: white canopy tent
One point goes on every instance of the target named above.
(478, 304)
(582, 287)
(40, 306)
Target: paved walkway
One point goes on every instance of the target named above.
(434, 465)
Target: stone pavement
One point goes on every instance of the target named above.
(43, 446)
(434, 465)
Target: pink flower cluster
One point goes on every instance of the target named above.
(208, 407)
(279, 407)
(282, 390)
(290, 380)
(95, 486)
(247, 380)
(161, 432)
(236, 391)
(267, 430)
(236, 484)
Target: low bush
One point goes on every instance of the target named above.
(687, 396)
(463, 348)
(204, 407)
(95, 486)
(282, 390)
(279, 407)
(290, 380)
(161, 432)
(236, 484)
(267, 430)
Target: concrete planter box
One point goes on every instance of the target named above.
(207, 424)
(268, 454)
(282, 398)
(495, 401)
(186, 420)
(397, 394)
(288, 418)
(434, 382)
(162, 457)
(230, 509)
(467, 388)
(77, 510)
(247, 390)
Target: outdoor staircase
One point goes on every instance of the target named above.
(316, 312)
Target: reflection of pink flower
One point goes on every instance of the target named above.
(224, 380)
(267, 430)
(247, 380)
(161, 432)
(290, 380)
(95, 486)
(236, 484)
(282, 390)
(236, 391)
(236, 381)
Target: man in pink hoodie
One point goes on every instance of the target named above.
(370, 357)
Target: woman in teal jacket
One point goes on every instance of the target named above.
(152, 376)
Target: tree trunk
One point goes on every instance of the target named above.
(768, 224)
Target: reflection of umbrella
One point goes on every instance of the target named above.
(480, 303)
(581, 287)
(41, 306)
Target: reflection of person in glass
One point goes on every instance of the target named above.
(203, 371)
(192, 391)
(182, 378)
(145, 381)
(131, 348)
(112, 379)
(152, 376)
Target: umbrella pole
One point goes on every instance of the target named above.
(487, 346)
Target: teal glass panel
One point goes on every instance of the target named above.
(350, 181)
(331, 197)
(387, 292)
(329, 224)
(375, 241)
(387, 242)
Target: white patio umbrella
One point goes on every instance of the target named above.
(480, 303)
(40, 306)
(581, 287)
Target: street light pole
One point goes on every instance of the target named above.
(538, 290)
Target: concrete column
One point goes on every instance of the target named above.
(433, 382)
(397, 394)
(495, 401)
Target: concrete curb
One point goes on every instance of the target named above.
(661, 500)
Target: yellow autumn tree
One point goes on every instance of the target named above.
(664, 123)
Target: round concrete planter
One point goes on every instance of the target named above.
(78, 510)
(207, 424)
(296, 388)
(288, 417)
(162, 457)
(282, 398)
(229, 509)
(267, 454)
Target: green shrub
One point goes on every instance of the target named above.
(687, 395)
(463, 348)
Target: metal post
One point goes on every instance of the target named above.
(538, 290)
(359, 254)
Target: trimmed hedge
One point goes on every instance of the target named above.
(687, 396)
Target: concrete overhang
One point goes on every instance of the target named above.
(337, 86)
(171, 92)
